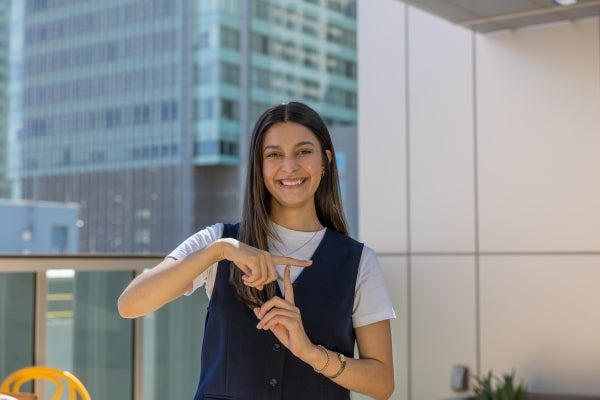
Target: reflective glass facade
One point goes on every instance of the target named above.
(283, 50)
(101, 93)
(139, 110)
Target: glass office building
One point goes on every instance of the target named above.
(140, 110)
(99, 94)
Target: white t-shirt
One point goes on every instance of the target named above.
(372, 302)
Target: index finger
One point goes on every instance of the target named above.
(287, 284)
(281, 260)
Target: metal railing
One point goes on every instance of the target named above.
(47, 267)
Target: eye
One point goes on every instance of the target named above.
(272, 154)
(304, 152)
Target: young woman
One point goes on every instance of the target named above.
(291, 294)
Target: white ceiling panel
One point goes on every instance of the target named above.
(493, 15)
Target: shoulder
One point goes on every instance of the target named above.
(369, 264)
(209, 233)
(198, 241)
(369, 255)
(343, 238)
(344, 248)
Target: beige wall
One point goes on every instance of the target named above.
(479, 187)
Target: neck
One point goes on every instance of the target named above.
(295, 219)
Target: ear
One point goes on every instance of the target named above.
(329, 156)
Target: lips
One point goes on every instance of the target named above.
(291, 182)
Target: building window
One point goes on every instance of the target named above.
(230, 6)
(230, 73)
(60, 238)
(229, 109)
(260, 44)
(168, 111)
(260, 10)
(207, 147)
(261, 78)
(207, 109)
(334, 5)
(66, 156)
(141, 114)
(142, 236)
(230, 38)
(112, 118)
(228, 148)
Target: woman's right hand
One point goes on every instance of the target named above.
(257, 265)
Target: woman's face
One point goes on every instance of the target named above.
(292, 165)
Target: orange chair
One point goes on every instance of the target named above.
(63, 381)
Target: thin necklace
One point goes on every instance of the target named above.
(298, 249)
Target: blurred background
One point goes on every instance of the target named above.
(467, 135)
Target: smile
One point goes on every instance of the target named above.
(291, 182)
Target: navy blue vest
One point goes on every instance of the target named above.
(240, 362)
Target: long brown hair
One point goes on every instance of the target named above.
(254, 226)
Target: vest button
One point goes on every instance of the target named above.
(273, 382)
(276, 347)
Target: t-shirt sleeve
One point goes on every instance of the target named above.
(372, 302)
(199, 241)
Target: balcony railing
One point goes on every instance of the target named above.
(62, 311)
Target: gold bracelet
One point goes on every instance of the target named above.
(326, 362)
(342, 366)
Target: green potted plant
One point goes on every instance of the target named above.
(491, 387)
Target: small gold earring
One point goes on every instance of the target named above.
(323, 173)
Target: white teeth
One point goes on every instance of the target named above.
(291, 183)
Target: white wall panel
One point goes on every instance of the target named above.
(394, 270)
(538, 93)
(443, 323)
(541, 316)
(440, 135)
(537, 131)
(381, 125)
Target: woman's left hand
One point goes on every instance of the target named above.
(282, 317)
(372, 374)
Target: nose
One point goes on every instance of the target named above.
(289, 164)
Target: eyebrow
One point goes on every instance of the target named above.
(273, 146)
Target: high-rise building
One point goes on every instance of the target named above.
(140, 110)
